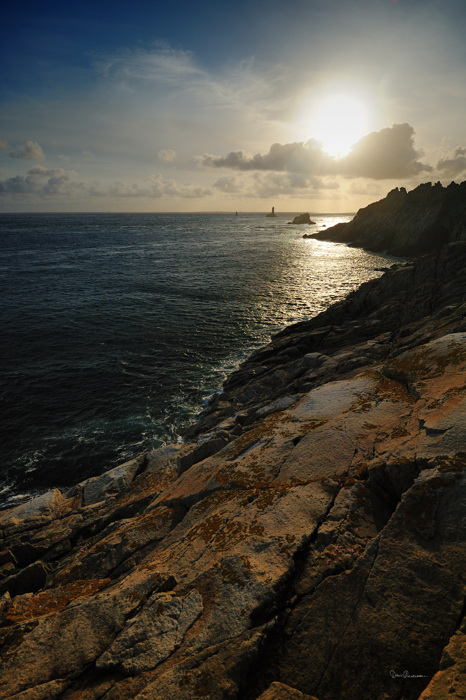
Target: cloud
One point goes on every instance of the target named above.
(273, 184)
(187, 191)
(368, 189)
(290, 157)
(45, 182)
(229, 185)
(155, 187)
(452, 167)
(168, 156)
(163, 70)
(385, 154)
(162, 64)
(28, 151)
(293, 184)
(42, 181)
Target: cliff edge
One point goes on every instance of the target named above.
(407, 223)
(306, 542)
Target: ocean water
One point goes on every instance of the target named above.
(116, 327)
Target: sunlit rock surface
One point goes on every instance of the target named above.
(308, 541)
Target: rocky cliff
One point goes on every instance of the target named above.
(306, 542)
(407, 223)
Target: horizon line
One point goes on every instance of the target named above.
(204, 211)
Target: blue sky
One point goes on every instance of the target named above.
(306, 105)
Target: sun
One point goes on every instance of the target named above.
(336, 119)
(338, 122)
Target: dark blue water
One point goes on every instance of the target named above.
(114, 328)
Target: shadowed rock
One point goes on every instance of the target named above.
(407, 223)
(302, 219)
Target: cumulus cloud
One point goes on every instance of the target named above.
(294, 184)
(45, 182)
(42, 181)
(273, 184)
(168, 155)
(385, 154)
(229, 185)
(28, 151)
(296, 157)
(155, 187)
(451, 167)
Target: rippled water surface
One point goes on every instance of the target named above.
(116, 327)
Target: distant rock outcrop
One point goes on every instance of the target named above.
(307, 541)
(407, 223)
(302, 219)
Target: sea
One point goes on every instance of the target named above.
(116, 328)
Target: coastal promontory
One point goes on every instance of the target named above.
(407, 223)
(306, 541)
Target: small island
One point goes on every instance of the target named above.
(302, 219)
(272, 213)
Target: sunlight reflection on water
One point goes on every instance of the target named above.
(118, 326)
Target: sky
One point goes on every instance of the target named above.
(304, 105)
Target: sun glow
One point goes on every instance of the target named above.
(336, 120)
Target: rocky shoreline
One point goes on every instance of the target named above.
(307, 541)
(407, 223)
